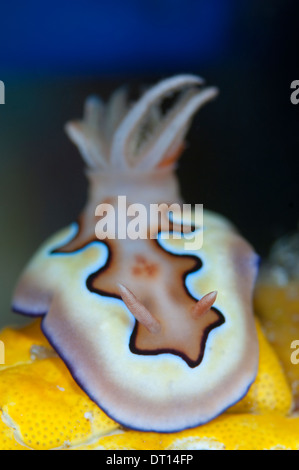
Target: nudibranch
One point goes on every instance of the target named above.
(159, 335)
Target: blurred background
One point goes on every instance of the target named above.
(242, 158)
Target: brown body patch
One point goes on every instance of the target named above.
(157, 278)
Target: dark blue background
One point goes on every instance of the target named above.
(141, 36)
(114, 36)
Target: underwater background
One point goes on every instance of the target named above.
(242, 157)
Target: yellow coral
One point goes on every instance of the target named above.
(39, 399)
(270, 393)
(43, 408)
(278, 308)
(227, 432)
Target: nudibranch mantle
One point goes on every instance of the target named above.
(160, 337)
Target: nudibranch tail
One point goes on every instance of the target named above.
(116, 110)
(122, 143)
(87, 134)
(174, 127)
(109, 135)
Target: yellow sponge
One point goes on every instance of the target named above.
(43, 408)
